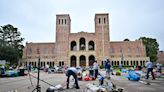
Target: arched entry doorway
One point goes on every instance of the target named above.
(91, 60)
(73, 61)
(82, 61)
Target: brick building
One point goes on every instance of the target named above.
(82, 48)
(160, 56)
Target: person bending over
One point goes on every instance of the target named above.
(72, 71)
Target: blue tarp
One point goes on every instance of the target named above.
(133, 76)
(12, 73)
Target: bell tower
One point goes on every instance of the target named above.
(63, 27)
(102, 35)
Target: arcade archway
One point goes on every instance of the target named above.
(82, 60)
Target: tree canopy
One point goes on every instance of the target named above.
(11, 46)
(126, 39)
(152, 47)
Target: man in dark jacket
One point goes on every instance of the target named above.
(72, 71)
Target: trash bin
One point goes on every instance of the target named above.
(21, 72)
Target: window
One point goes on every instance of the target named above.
(99, 20)
(137, 55)
(138, 50)
(111, 50)
(61, 63)
(73, 46)
(29, 57)
(91, 45)
(129, 56)
(104, 20)
(45, 50)
(112, 56)
(30, 51)
(121, 50)
(37, 51)
(82, 44)
(62, 21)
(59, 21)
(53, 50)
(129, 50)
(65, 21)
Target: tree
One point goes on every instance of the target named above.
(152, 47)
(126, 39)
(10, 43)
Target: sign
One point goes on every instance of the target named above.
(2, 62)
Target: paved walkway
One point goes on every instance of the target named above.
(22, 84)
(135, 86)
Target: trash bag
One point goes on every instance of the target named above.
(133, 76)
(87, 78)
(50, 89)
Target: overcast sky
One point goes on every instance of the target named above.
(131, 19)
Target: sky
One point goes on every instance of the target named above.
(132, 19)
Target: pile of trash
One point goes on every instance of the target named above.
(106, 87)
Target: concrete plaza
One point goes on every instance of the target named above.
(23, 84)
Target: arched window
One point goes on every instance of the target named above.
(73, 46)
(82, 44)
(41, 64)
(48, 63)
(59, 21)
(65, 21)
(82, 60)
(99, 20)
(73, 61)
(60, 63)
(112, 63)
(62, 21)
(118, 63)
(124, 62)
(127, 63)
(131, 62)
(136, 63)
(141, 63)
(44, 63)
(121, 62)
(53, 63)
(104, 20)
(35, 64)
(91, 45)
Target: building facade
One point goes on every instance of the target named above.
(160, 56)
(83, 48)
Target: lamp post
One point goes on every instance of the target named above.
(38, 86)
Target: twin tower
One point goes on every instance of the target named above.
(82, 48)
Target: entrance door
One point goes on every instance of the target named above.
(73, 61)
(82, 61)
